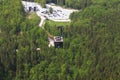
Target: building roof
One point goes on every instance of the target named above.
(58, 39)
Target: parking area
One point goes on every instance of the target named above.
(58, 13)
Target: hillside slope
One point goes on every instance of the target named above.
(91, 44)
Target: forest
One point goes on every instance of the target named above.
(91, 49)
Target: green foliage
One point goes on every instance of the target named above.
(91, 48)
(42, 2)
(51, 26)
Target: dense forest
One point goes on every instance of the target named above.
(78, 4)
(91, 48)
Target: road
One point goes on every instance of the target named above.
(42, 19)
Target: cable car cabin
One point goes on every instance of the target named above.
(58, 42)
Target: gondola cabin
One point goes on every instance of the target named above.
(58, 42)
